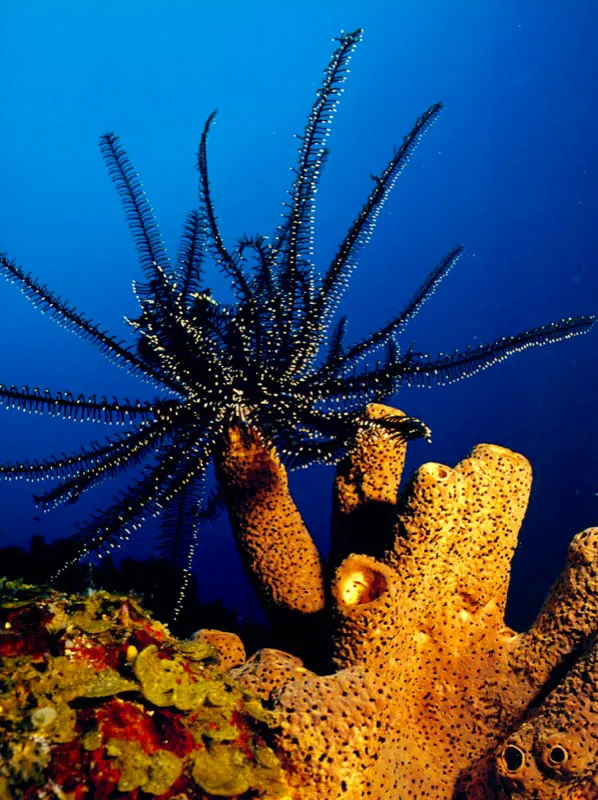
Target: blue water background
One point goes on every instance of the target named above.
(510, 170)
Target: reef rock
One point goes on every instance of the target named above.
(98, 701)
(430, 695)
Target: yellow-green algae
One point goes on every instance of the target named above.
(153, 773)
(82, 653)
(223, 771)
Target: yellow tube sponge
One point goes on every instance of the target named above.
(433, 695)
(278, 551)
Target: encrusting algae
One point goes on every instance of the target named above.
(432, 696)
(98, 700)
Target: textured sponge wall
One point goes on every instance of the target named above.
(433, 696)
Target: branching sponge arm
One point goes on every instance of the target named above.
(568, 617)
(276, 547)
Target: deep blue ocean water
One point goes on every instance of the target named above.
(510, 170)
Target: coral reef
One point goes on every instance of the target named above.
(431, 695)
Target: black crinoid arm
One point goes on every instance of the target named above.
(274, 359)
